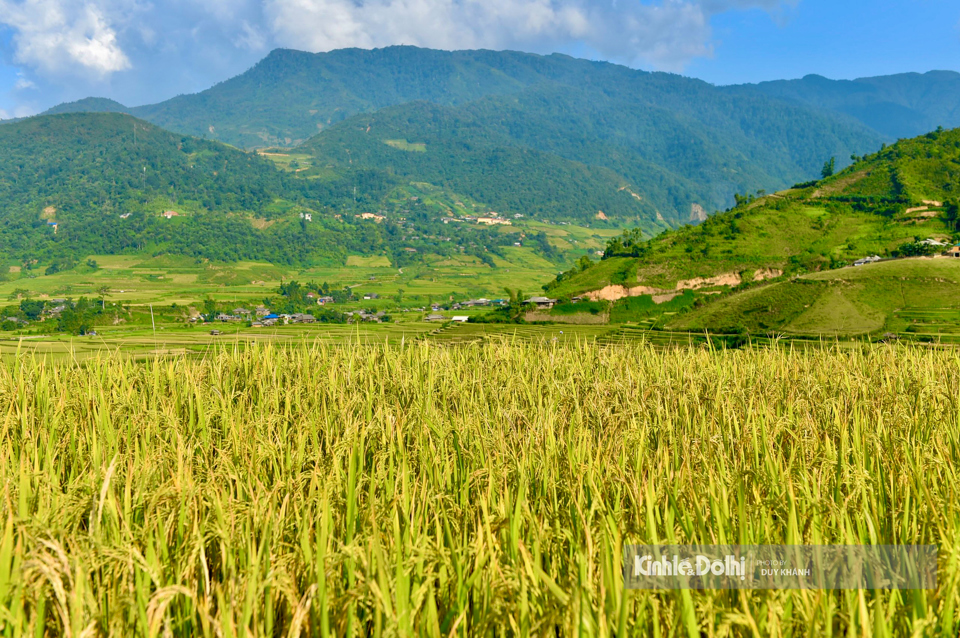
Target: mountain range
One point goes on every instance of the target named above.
(291, 95)
(549, 137)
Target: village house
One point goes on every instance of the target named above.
(362, 315)
(543, 303)
(55, 311)
(171, 213)
(435, 318)
(324, 300)
(866, 260)
(373, 216)
(953, 252)
(460, 319)
(490, 221)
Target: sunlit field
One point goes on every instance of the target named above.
(482, 488)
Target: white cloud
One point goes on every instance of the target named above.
(23, 83)
(61, 36)
(20, 111)
(250, 38)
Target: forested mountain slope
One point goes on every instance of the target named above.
(85, 183)
(897, 106)
(679, 158)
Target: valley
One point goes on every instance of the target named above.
(401, 342)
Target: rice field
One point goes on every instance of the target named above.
(485, 489)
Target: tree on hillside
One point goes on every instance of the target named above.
(102, 292)
(515, 305)
(952, 215)
(829, 168)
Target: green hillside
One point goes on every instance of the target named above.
(881, 205)
(410, 142)
(104, 179)
(915, 298)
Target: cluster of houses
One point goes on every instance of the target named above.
(368, 317)
(476, 303)
(950, 251)
(490, 219)
(263, 317)
(541, 303)
(438, 318)
(321, 300)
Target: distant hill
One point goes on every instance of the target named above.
(88, 105)
(880, 205)
(897, 106)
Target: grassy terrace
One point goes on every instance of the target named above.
(477, 490)
(931, 329)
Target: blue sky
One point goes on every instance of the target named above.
(840, 39)
(143, 51)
